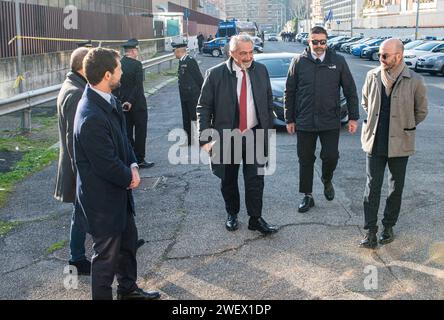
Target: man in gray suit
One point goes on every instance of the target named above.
(65, 190)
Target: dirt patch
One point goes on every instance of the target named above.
(8, 159)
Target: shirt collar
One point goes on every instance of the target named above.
(316, 57)
(104, 95)
(236, 68)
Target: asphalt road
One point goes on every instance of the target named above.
(190, 255)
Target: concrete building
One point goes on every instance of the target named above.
(270, 15)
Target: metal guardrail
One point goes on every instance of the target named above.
(25, 101)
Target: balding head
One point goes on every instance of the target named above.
(393, 45)
(77, 59)
(391, 54)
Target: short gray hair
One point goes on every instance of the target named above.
(77, 58)
(239, 38)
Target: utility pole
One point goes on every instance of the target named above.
(417, 19)
(26, 114)
(351, 18)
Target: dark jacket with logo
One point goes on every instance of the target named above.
(190, 79)
(312, 94)
(103, 158)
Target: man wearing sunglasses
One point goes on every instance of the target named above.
(395, 100)
(312, 110)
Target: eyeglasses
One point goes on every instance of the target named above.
(321, 42)
(385, 55)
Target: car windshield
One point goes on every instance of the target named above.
(413, 44)
(426, 46)
(277, 67)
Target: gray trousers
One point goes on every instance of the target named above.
(372, 195)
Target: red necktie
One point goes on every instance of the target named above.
(243, 104)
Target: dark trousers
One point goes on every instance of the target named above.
(375, 168)
(254, 186)
(306, 153)
(188, 115)
(114, 256)
(136, 127)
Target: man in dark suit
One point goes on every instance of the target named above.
(236, 94)
(190, 82)
(132, 95)
(65, 189)
(106, 174)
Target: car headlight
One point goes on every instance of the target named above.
(409, 57)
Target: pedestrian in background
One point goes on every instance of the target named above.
(132, 95)
(312, 110)
(190, 83)
(395, 100)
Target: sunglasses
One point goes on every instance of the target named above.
(321, 42)
(384, 55)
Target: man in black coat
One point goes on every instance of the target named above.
(236, 97)
(106, 174)
(132, 95)
(65, 189)
(200, 41)
(312, 110)
(190, 83)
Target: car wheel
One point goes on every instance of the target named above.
(215, 53)
(442, 71)
(374, 56)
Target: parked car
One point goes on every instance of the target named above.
(431, 63)
(331, 44)
(411, 56)
(277, 65)
(258, 41)
(215, 46)
(357, 49)
(346, 46)
(337, 45)
(273, 37)
(370, 53)
(413, 44)
(300, 35)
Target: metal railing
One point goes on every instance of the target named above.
(25, 101)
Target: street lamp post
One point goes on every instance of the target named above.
(417, 19)
(351, 18)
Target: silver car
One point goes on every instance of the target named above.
(431, 63)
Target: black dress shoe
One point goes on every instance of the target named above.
(139, 294)
(231, 223)
(145, 165)
(259, 224)
(329, 191)
(386, 236)
(369, 241)
(83, 267)
(139, 243)
(306, 204)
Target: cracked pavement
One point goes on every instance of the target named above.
(190, 255)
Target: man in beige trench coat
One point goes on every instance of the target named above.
(395, 100)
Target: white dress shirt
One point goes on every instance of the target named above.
(322, 57)
(251, 109)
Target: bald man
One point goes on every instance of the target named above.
(395, 100)
(65, 190)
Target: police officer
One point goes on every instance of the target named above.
(190, 83)
(131, 94)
